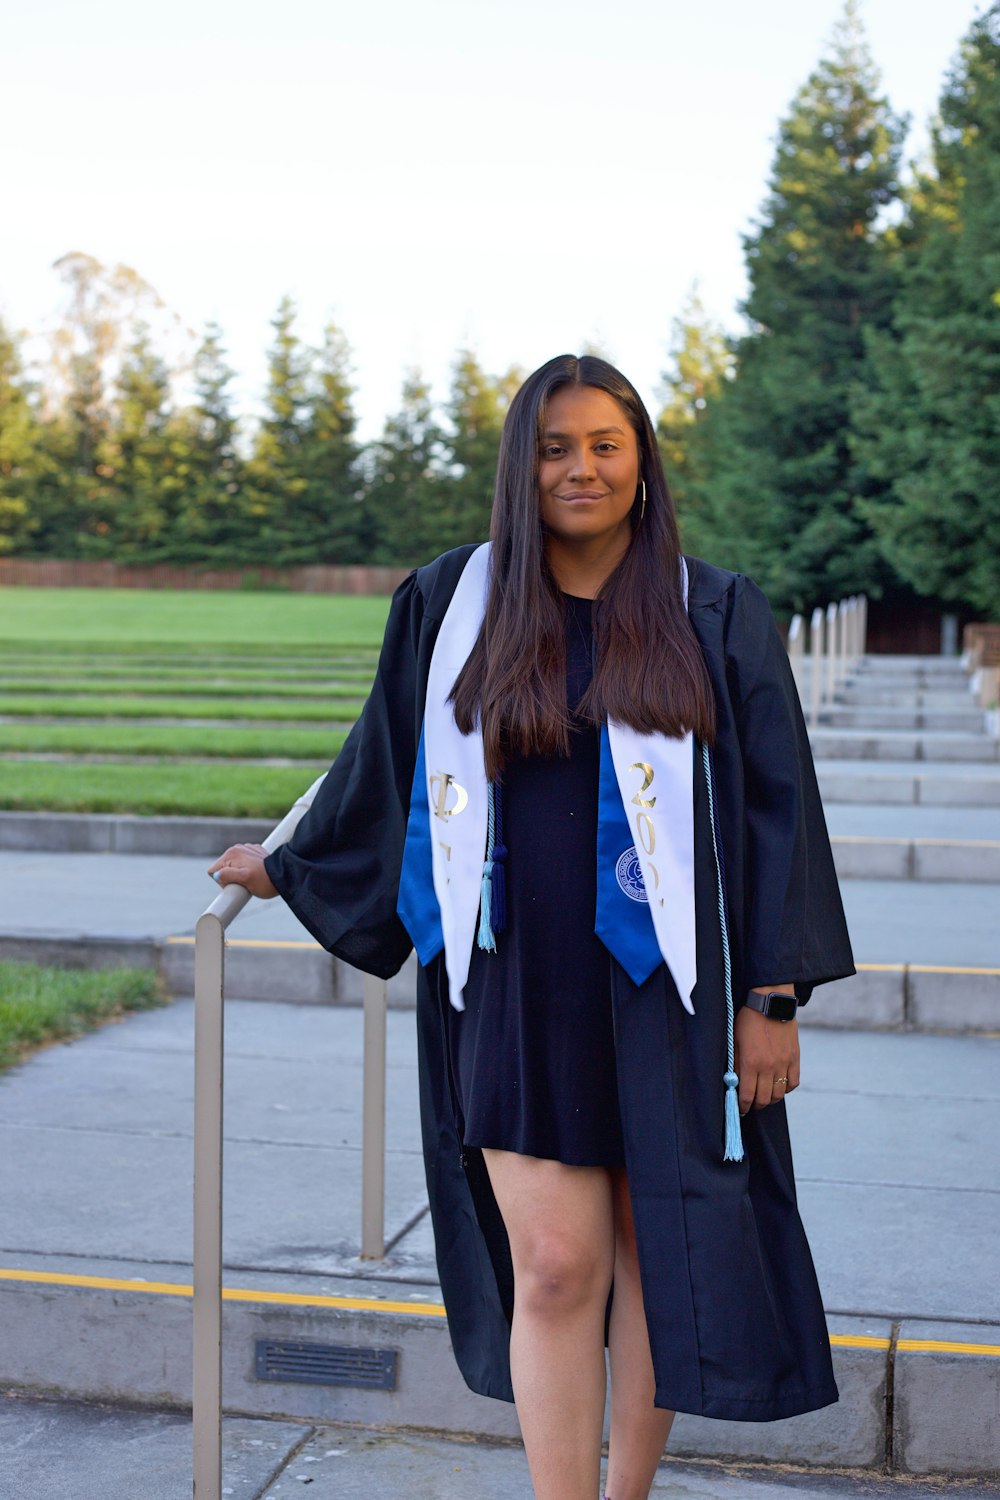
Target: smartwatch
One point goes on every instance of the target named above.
(775, 1006)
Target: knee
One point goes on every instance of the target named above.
(554, 1278)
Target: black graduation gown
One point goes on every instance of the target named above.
(733, 1309)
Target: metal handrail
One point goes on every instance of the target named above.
(209, 991)
(837, 639)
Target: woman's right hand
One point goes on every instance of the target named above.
(243, 864)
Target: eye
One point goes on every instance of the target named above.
(608, 444)
(551, 450)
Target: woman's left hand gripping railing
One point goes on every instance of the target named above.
(210, 936)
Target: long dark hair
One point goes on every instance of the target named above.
(649, 671)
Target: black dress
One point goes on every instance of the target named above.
(532, 1054)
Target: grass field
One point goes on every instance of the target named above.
(120, 700)
(40, 1005)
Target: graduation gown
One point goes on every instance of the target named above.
(733, 1309)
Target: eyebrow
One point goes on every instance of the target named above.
(598, 431)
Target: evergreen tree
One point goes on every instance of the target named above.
(929, 420)
(136, 457)
(275, 480)
(212, 522)
(701, 359)
(22, 452)
(328, 521)
(476, 409)
(782, 484)
(406, 493)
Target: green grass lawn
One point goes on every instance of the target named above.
(39, 1005)
(230, 791)
(170, 740)
(95, 706)
(199, 617)
(279, 677)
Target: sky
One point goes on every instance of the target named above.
(518, 178)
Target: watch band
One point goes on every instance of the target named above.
(774, 1005)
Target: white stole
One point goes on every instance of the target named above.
(655, 776)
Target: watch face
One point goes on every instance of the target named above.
(781, 1007)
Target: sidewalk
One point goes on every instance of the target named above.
(898, 1191)
(71, 1452)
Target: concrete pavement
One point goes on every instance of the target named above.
(66, 1451)
(896, 1180)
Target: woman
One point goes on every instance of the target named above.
(616, 729)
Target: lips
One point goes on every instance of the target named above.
(584, 495)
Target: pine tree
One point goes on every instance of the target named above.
(700, 361)
(406, 492)
(22, 452)
(275, 481)
(212, 520)
(929, 420)
(476, 409)
(135, 456)
(327, 524)
(782, 483)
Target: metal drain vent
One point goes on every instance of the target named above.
(326, 1364)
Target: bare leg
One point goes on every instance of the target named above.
(559, 1220)
(639, 1430)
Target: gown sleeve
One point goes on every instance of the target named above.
(795, 927)
(339, 873)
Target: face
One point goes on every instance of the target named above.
(588, 470)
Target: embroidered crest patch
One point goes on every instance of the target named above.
(628, 873)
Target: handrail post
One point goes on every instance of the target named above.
(209, 989)
(373, 1129)
(209, 961)
(830, 686)
(816, 675)
(796, 648)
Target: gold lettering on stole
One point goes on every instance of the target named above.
(645, 832)
(441, 783)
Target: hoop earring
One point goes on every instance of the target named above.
(642, 512)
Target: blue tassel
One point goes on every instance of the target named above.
(485, 937)
(499, 859)
(734, 1137)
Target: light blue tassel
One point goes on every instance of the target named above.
(734, 1137)
(485, 937)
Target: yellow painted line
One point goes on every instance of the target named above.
(939, 1346)
(255, 943)
(229, 1293)
(421, 1309)
(883, 968)
(934, 969)
(876, 838)
(858, 1341)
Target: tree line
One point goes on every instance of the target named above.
(847, 440)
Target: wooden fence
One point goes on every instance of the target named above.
(55, 574)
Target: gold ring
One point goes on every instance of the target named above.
(781, 1080)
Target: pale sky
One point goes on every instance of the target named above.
(521, 177)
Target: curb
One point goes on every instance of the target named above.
(127, 833)
(857, 857)
(880, 997)
(915, 1397)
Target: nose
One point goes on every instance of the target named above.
(582, 465)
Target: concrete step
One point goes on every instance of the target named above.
(954, 784)
(128, 1340)
(830, 743)
(968, 720)
(926, 666)
(913, 698)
